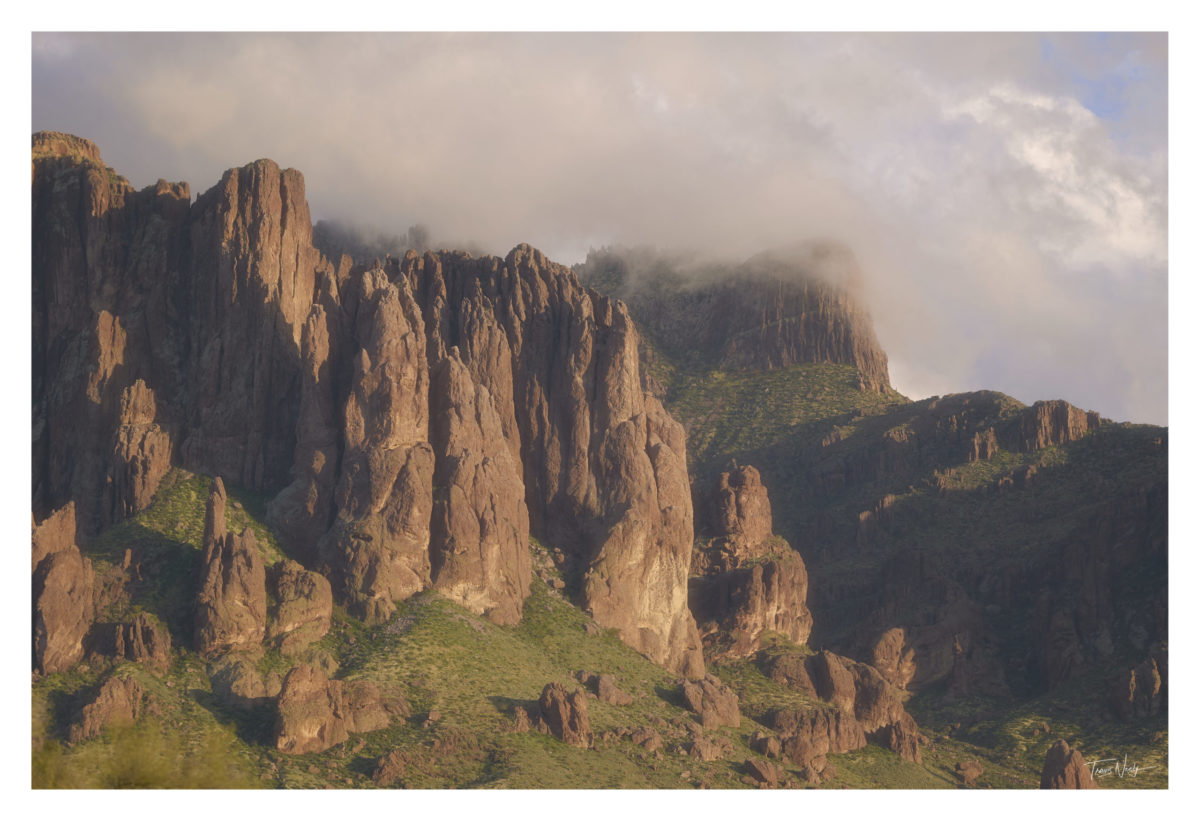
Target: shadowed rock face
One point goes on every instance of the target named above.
(212, 335)
(773, 311)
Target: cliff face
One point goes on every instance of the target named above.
(773, 311)
(416, 421)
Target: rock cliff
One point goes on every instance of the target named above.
(415, 421)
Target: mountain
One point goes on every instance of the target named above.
(982, 554)
(427, 521)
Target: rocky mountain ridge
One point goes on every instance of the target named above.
(429, 422)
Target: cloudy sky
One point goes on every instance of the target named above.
(1006, 195)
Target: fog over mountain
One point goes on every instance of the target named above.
(1004, 195)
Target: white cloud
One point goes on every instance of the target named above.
(1003, 227)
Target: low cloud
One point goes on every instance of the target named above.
(1005, 194)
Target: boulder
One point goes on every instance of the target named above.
(647, 737)
(833, 682)
(764, 772)
(716, 704)
(120, 701)
(311, 715)
(391, 767)
(902, 737)
(767, 745)
(364, 707)
(608, 691)
(706, 749)
(790, 670)
(1066, 769)
(566, 715)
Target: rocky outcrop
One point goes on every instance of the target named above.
(301, 606)
(368, 708)
(1066, 769)
(143, 639)
(250, 285)
(54, 534)
(120, 701)
(1054, 423)
(749, 581)
(715, 703)
(63, 582)
(105, 262)
(894, 657)
(303, 511)
(707, 749)
(807, 736)
(857, 690)
(741, 511)
(231, 601)
(314, 713)
(565, 715)
(311, 715)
